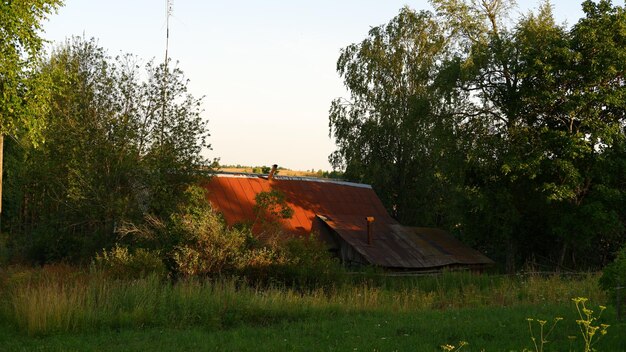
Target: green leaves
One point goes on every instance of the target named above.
(521, 122)
(383, 130)
(269, 209)
(20, 44)
(117, 147)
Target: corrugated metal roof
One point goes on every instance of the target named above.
(234, 196)
(343, 206)
(446, 243)
(397, 246)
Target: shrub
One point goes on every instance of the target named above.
(614, 274)
(613, 280)
(260, 266)
(205, 245)
(121, 263)
(196, 242)
(301, 263)
(193, 240)
(211, 252)
(310, 263)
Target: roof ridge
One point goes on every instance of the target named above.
(291, 178)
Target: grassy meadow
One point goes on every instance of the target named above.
(59, 308)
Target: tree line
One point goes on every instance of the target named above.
(104, 168)
(508, 132)
(93, 143)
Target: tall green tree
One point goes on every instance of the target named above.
(489, 76)
(392, 131)
(545, 133)
(572, 105)
(524, 130)
(114, 151)
(20, 93)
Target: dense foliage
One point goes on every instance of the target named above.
(509, 132)
(20, 46)
(115, 180)
(512, 134)
(22, 93)
(614, 276)
(117, 147)
(194, 241)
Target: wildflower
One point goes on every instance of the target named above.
(447, 347)
(588, 330)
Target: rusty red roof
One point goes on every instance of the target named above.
(342, 206)
(234, 196)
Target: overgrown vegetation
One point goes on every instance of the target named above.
(613, 281)
(195, 242)
(61, 298)
(513, 136)
(510, 132)
(117, 148)
(615, 273)
(56, 300)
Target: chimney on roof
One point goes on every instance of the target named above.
(370, 225)
(272, 172)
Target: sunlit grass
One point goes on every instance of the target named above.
(68, 309)
(61, 299)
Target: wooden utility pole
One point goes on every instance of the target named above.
(1, 172)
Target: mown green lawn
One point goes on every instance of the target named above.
(491, 329)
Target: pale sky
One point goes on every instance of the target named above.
(267, 68)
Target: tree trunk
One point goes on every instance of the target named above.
(562, 257)
(1, 172)
(510, 256)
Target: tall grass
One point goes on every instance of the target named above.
(61, 299)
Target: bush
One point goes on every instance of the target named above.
(208, 247)
(196, 242)
(614, 274)
(121, 263)
(301, 263)
(311, 264)
(205, 245)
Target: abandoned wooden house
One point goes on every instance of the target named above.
(348, 216)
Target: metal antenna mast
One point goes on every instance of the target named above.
(167, 26)
(168, 14)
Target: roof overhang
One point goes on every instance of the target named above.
(402, 247)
